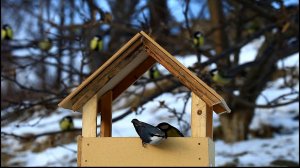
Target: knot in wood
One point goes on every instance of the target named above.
(199, 112)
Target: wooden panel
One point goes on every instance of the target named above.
(133, 76)
(105, 76)
(118, 79)
(185, 76)
(106, 114)
(201, 118)
(66, 103)
(89, 118)
(79, 151)
(174, 152)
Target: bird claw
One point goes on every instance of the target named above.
(144, 144)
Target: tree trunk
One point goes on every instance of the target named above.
(235, 126)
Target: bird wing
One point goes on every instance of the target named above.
(100, 45)
(9, 33)
(201, 41)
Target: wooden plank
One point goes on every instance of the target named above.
(79, 150)
(133, 76)
(201, 125)
(185, 76)
(125, 152)
(219, 108)
(89, 117)
(106, 114)
(67, 103)
(105, 76)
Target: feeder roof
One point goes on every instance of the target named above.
(128, 64)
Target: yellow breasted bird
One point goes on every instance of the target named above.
(154, 73)
(198, 39)
(45, 44)
(96, 43)
(169, 130)
(220, 78)
(66, 123)
(6, 32)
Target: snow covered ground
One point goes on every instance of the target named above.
(255, 152)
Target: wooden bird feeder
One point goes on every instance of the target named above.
(98, 91)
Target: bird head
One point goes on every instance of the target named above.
(6, 26)
(98, 37)
(164, 126)
(69, 118)
(198, 34)
(48, 39)
(136, 122)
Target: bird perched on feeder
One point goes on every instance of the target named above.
(6, 32)
(45, 44)
(96, 43)
(66, 123)
(169, 130)
(149, 134)
(198, 39)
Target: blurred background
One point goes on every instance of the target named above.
(248, 53)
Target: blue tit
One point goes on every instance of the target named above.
(66, 123)
(148, 133)
(169, 130)
(154, 73)
(6, 32)
(45, 44)
(96, 43)
(220, 78)
(198, 39)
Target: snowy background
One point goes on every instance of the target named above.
(279, 149)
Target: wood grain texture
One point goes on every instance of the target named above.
(89, 118)
(106, 114)
(133, 76)
(79, 151)
(125, 152)
(201, 125)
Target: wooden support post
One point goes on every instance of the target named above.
(89, 118)
(201, 118)
(106, 114)
(79, 150)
